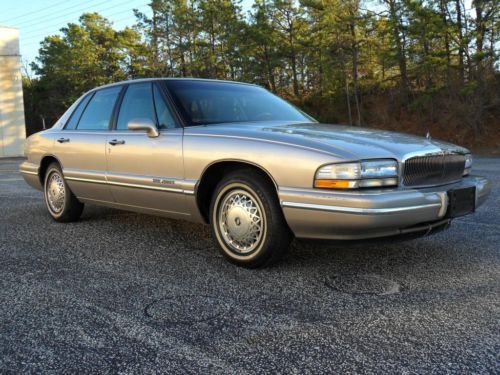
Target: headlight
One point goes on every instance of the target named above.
(371, 173)
(379, 168)
(468, 164)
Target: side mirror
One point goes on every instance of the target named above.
(144, 124)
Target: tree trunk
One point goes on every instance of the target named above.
(480, 33)
(293, 58)
(461, 72)
(270, 73)
(346, 85)
(320, 73)
(154, 43)
(400, 50)
(443, 6)
(354, 48)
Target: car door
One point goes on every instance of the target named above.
(143, 171)
(81, 145)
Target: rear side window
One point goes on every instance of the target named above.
(165, 118)
(97, 115)
(137, 103)
(77, 113)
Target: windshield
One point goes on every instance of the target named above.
(212, 102)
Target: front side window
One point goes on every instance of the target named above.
(97, 115)
(212, 102)
(137, 103)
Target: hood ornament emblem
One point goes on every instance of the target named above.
(428, 135)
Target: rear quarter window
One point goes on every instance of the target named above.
(77, 113)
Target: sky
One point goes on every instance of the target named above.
(36, 19)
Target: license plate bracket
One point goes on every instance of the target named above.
(461, 202)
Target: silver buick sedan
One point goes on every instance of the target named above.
(256, 169)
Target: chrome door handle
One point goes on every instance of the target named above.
(115, 142)
(63, 140)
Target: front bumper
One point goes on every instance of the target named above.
(351, 215)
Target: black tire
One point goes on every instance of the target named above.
(273, 236)
(68, 208)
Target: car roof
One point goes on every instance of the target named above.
(153, 79)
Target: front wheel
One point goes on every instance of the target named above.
(247, 221)
(61, 203)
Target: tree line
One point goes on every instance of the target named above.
(403, 64)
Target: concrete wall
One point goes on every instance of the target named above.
(12, 127)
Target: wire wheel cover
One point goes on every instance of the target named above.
(241, 221)
(55, 192)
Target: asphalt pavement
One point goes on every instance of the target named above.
(130, 293)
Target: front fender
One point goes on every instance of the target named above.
(287, 165)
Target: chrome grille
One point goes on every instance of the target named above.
(433, 169)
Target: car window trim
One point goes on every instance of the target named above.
(157, 121)
(116, 108)
(177, 123)
(180, 120)
(90, 96)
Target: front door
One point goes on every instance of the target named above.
(81, 145)
(145, 172)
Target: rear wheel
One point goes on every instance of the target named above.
(60, 201)
(247, 221)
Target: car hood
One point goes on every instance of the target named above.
(346, 142)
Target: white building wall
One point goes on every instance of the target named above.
(12, 127)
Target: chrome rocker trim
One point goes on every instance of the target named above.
(158, 188)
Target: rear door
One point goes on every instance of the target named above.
(146, 172)
(81, 145)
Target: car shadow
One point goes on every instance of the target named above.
(432, 257)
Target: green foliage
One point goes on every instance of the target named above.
(84, 56)
(332, 57)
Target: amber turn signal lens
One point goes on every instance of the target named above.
(333, 184)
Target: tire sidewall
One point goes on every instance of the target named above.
(50, 171)
(220, 196)
(254, 187)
